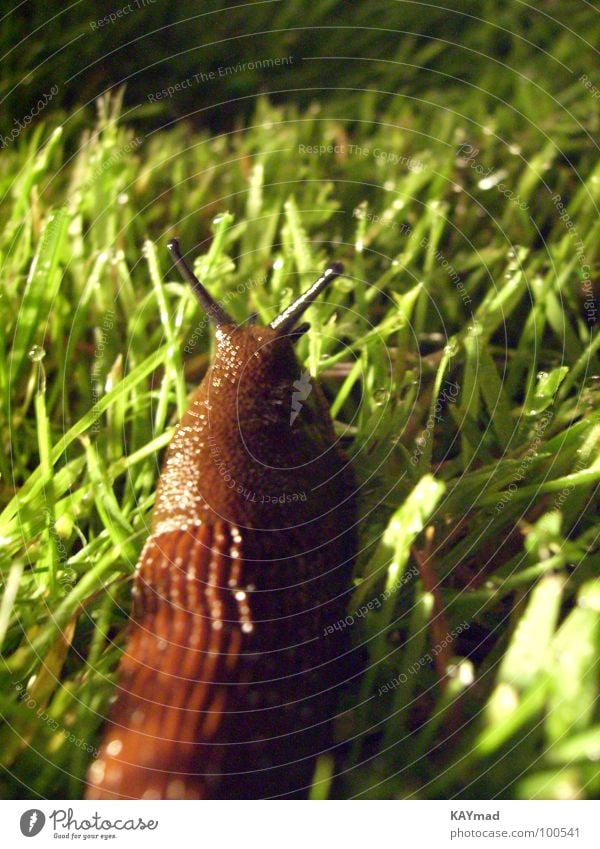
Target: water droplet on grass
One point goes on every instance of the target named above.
(381, 396)
(36, 354)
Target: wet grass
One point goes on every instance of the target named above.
(459, 353)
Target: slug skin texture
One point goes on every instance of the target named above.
(230, 676)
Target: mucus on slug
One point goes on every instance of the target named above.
(229, 681)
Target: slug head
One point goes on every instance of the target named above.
(257, 429)
(257, 396)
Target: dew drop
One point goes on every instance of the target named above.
(381, 396)
(151, 793)
(487, 183)
(36, 354)
(114, 748)
(175, 789)
(97, 770)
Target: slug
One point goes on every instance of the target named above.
(231, 673)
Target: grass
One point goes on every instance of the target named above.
(338, 50)
(460, 356)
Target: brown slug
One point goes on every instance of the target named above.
(230, 676)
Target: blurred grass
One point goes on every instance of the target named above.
(394, 48)
(462, 366)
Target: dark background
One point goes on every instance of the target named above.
(427, 48)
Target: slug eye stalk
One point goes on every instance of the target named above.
(213, 310)
(285, 322)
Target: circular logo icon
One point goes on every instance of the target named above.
(32, 822)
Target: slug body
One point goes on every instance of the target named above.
(230, 676)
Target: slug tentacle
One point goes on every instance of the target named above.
(213, 310)
(285, 322)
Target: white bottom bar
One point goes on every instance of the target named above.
(301, 825)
